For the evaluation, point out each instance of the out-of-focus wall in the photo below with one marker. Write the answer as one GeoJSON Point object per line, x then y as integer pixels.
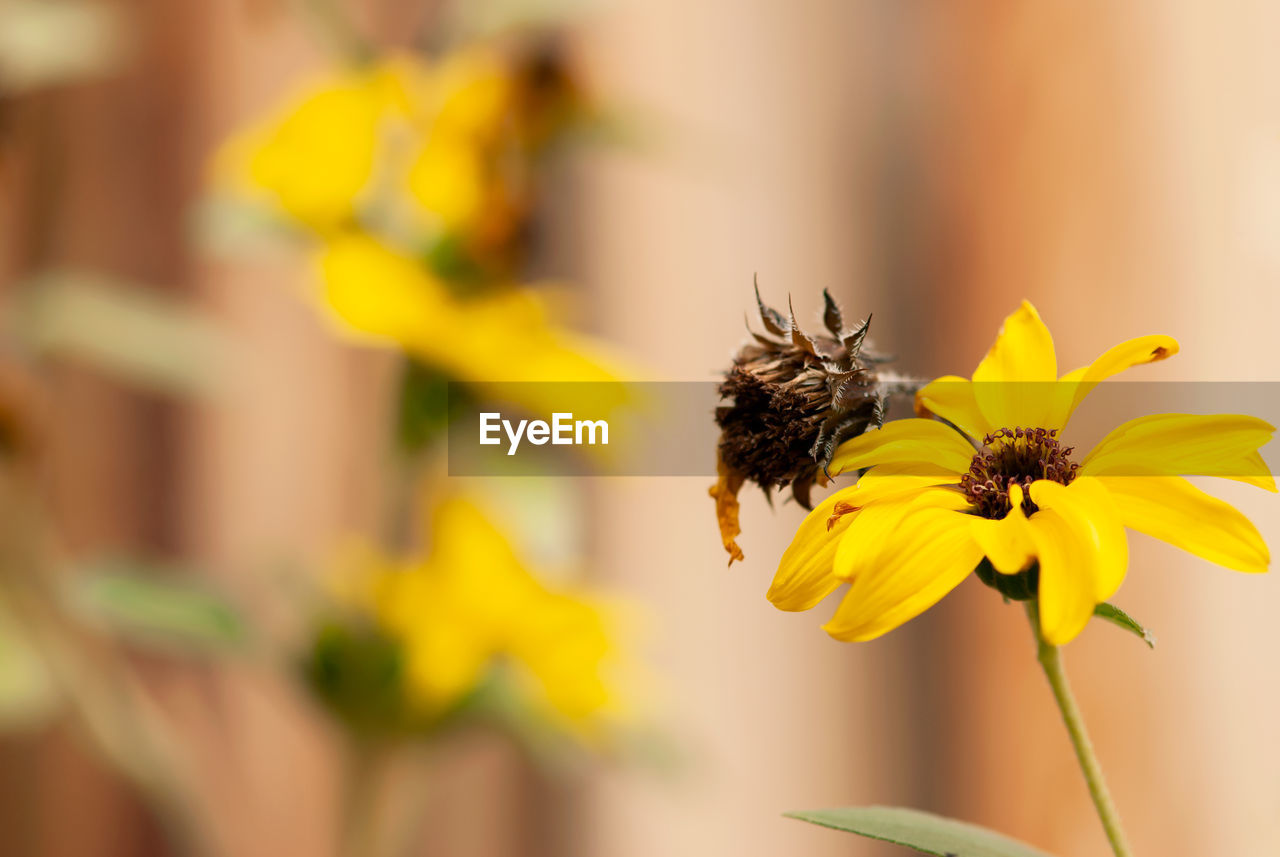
{"type": "Point", "coordinates": [760, 160]}
{"type": "Point", "coordinates": [936, 164]}
{"type": "Point", "coordinates": [930, 163]}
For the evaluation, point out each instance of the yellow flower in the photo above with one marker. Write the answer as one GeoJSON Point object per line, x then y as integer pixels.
{"type": "Point", "coordinates": [503, 338]}
{"type": "Point", "coordinates": [471, 606]}
{"type": "Point", "coordinates": [457, 173]}
{"type": "Point", "coordinates": [317, 158]}
{"type": "Point", "coordinates": [936, 503]}
{"type": "Point", "coordinates": [443, 149]}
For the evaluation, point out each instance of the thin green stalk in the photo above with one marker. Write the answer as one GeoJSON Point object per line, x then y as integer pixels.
{"type": "Point", "coordinates": [364, 785]}
{"type": "Point", "coordinates": [1050, 658]}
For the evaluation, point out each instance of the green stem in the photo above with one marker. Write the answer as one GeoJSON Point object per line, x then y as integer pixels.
{"type": "Point", "coordinates": [1050, 658]}
{"type": "Point", "coordinates": [362, 812]}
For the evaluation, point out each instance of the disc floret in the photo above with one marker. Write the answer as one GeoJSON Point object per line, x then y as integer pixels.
{"type": "Point", "coordinates": [1015, 456]}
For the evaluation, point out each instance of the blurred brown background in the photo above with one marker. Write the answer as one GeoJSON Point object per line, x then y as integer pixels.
{"type": "Point", "coordinates": [1119, 165]}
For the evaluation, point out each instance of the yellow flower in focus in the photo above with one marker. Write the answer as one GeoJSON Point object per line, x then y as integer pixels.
{"type": "Point", "coordinates": [471, 606]}
{"type": "Point", "coordinates": [996, 491]}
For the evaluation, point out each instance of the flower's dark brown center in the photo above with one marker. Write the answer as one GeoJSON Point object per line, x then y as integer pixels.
{"type": "Point", "coordinates": [1015, 455]}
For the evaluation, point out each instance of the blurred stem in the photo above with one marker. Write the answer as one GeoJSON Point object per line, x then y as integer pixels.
{"type": "Point", "coordinates": [362, 818]}
{"type": "Point", "coordinates": [108, 703]}
{"type": "Point", "coordinates": [1050, 658]}
{"type": "Point", "coordinates": [102, 690]}
{"type": "Point", "coordinates": [335, 26]}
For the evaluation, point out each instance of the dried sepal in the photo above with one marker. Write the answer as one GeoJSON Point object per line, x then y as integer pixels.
{"type": "Point", "coordinates": [773, 321]}
{"type": "Point", "coordinates": [800, 339]}
{"type": "Point", "coordinates": [831, 315]}
{"type": "Point", "coordinates": [854, 340]}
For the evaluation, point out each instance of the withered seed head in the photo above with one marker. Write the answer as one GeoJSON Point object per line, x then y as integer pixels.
{"type": "Point", "coordinates": [793, 399]}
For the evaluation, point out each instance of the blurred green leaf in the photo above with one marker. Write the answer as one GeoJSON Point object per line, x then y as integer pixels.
{"type": "Point", "coordinates": [451, 261]}
{"type": "Point", "coordinates": [44, 42]}
{"type": "Point", "coordinates": [921, 831]}
{"type": "Point", "coordinates": [1121, 619]}
{"type": "Point", "coordinates": [129, 331]}
{"type": "Point", "coordinates": [223, 225]}
{"type": "Point", "coordinates": [154, 606]}
{"type": "Point", "coordinates": [357, 672]}
{"type": "Point", "coordinates": [425, 407]}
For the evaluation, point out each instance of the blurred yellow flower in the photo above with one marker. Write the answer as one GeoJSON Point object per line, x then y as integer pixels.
{"type": "Point", "coordinates": [471, 606]}
{"type": "Point", "coordinates": [450, 141]}
{"type": "Point", "coordinates": [504, 337]}
{"type": "Point", "coordinates": [316, 160]}
{"type": "Point", "coordinates": [992, 488]}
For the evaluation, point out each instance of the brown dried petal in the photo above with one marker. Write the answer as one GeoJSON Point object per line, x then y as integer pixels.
{"type": "Point", "coordinates": [725, 492]}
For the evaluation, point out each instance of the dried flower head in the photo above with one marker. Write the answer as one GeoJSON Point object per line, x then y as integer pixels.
{"type": "Point", "coordinates": [793, 398]}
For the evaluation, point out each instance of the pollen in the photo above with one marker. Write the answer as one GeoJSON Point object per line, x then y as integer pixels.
{"type": "Point", "coordinates": [1015, 456]}
{"type": "Point", "coordinates": [839, 511]}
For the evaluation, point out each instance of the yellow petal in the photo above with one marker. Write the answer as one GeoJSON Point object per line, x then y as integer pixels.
{"type": "Point", "coordinates": [1092, 512]}
{"type": "Point", "coordinates": [510, 337]}
{"type": "Point", "coordinates": [952, 398]}
{"type": "Point", "coordinates": [916, 441]}
{"type": "Point", "coordinates": [1260, 474]}
{"type": "Point", "coordinates": [450, 182]}
{"type": "Point", "coordinates": [1171, 509]}
{"type": "Point", "coordinates": [1068, 560]}
{"type": "Point", "coordinates": [474, 558]}
{"type": "Point", "coordinates": [316, 159]}
{"type": "Point", "coordinates": [374, 291]}
{"type": "Point", "coordinates": [1223, 445]}
{"type": "Point", "coordinates": [926, 555]}
{"type": "Point", "coordinates": [805, 574]}
{"type": "Point", "coordinates": [863, 546]}
{"type": "Point", "coordinates": [1078, 383]}
{"type": "Point", "coordinates": [506, 339]}
{"type": "Point", "coordinates": [1006, 542]}
{"type": "Point", "coordinates": [445, 657]}
{"type": "Point", "coordinates": [883, 479]}
{"type": "Point", "coordinates": [1023, 350]}
{"type": "Point", "coordinates": [1013, 385]}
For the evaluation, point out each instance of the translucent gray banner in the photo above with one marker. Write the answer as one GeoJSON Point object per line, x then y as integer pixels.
{"type": "Point", "coordinates": [669, 429]}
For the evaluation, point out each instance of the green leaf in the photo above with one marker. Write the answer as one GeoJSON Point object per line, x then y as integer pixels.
{"type": "Point", "coordinates": [922, 831]}
{"type": "Point", "coordinates": [358, 672]}
{"type": "Point", "coordinates": [155, 607]}
{"type": "Point", "coordinates": [132, 332]}
{"type": "Point", "coordinates": [1121, 619]}
{"type": "Point", "coordinates": [227, 226]}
